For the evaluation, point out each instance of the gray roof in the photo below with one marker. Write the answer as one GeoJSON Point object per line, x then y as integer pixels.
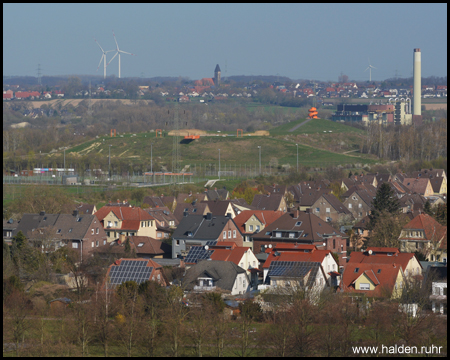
{"type": "Point", "coordinates": [223, 273]}
{"type": "Point", "coordinates": [295, 269]}
{"type": "Point", "coordinates": [267, 202]}
{"type": "Point", "coordinates": [200, 228]}
{"type": "Point", "coordinates": [195, 208]}
{"type": "Point", "coordinates": [71, 228]}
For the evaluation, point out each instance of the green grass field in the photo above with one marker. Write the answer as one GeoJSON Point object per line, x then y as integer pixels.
{"type": "Point", "coordinates": [314, 126]}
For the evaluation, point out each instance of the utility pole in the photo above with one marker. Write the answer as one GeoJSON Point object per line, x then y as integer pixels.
{"type": "Point", "coordinates": [219, 164]}
{"type": "Point", "coordinates": [64, 161]}
{"type": "Point", "coordinates": [297, 157]}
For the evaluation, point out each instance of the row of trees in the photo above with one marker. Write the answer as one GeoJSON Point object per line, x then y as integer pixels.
{"type": "Point", "coordinates": [407, 143]}
{"type": "Point", "coordinates": [148, 320]}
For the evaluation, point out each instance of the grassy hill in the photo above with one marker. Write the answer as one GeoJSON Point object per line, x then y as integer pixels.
{"type": "Point", "coordinates": [234, 151]}
{"type": "Point", "coordinates": [314, 126]}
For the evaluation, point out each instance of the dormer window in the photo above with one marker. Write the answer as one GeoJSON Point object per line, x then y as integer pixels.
{"type": "Point", "coordinates": [356, 270]}
{"type": "Point", "coordinates": [379, 270]}
{"type": "Point", "coordinates": [298, 223]}
{"type": "Point", "coordinates": [58, 231]}
{"type": "Point", "coordinates": [267, 232]}
{"type": "Point", "coordinates": [78, 219]}
{"type": "Point", "coordinates": [291, 235]}
{"type": "Point", "coordinates": [70, 230]}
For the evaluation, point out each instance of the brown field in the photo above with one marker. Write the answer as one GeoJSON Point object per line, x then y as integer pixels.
{"type": "Point", "coordinates": [435, 106]}
{"type": "Point", "coordinates": [75, 102]}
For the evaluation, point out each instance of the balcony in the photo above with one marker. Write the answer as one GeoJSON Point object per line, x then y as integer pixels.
{"type": "Point", "coordinates": [204, 288]}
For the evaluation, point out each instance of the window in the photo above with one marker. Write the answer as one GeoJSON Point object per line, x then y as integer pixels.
{"type": "Point", "coordinates": [58, 231]}
{"type": "Point", "coordinates": [354, 197]}
{"type": "Point", "coordinates": [158, 234]}
{"type": "Point", "coordinates": [92, 244]}
{"type": "Point", "coordinates": [107, 233]}
{"type": "Point", "coordinates": [224, 235]}
{"type": "Point", "coordinates": [291, 235]}
{"type": "Point", "coordinates": [364, 286]}
{"type": "Point", "coordinates": [349, 206]}
{"type": "Point", "coordinates": [70, 230]}
{"type": "Point", "coordinates": [177, 242]}
{"type": "Point", "coordinates": [327, 210]}
{"type": "Point", "coordinates": [162, 223]}
{"type": "Point", "coordinates": [97, 231]}
{"type": "Point", "coordinates": [96, 243]}
{"type": "Point", "coordinates": [360, 214]}
{"type": "Point", "coordinates": [234, 234]}
{"type": "Point", "coordinates": [356, 270]}
{"type": "Point", "coordinates": [257, 228]}
{"type": "Point", "coordinates": [229, 234]}
{"type": "Point", "coordinates": [334, 243]}
{"type": "Point", "coordinates": [104, 242]}
{"type": "Point", "coordinates": [93, 231]}
{"type": "Point", "coordinates": [109, 223]}
{"type": "Point", "coordinates": [317, 209]}
{"type": "Point", "coordinates": [328, 219]}
{"type": "Point", "coordinates": [379, 270]}
{"type": "Point", "coordinates": [250, 227]}
{"type": "Point", "coordinates": [360, 205]}
{"type": "Point", "coordinates": [298, 223]}
{"type": "Point", "coordinates": [79, 219]}
{"type": "Point", "coordinates": [254, 263]}
{"type": "Point", "coordinates": [278, 234]}
{"type": "Point", "coordinates": [75, 245]}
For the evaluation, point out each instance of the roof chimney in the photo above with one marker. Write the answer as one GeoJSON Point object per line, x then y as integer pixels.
{"type": "Point", "coordinates": [229, 215]}
{"type": "Point", "coordinates": [209, 216]}
{"type": "Point", "coordinates": [42, 213]}
{"type": "Point", "coordinates": [75, 213]}
{"type": "Point", "coordinates": [185, 213]}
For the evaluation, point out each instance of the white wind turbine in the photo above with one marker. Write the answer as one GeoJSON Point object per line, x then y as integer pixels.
{"type": "Point", "coordinates": [118, 52]}
{"type": "Point", "coordinates": [102, 58]}
{"type": "Point", "coordinates": [370, 67]}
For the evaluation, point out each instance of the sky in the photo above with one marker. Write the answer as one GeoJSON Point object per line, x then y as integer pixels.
{"type": "Point", "coordinates": [300, 41]}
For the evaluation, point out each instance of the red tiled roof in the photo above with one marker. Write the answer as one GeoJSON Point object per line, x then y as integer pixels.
{"type": "Point", "coordinates": [384, 280]}
{"type": "Point", "coordinates": [130, 216]}
{"type": "Point", "coordinates": [433, 230]}
{"type": "Point", "coordinates": [265, 216]}
{"type": "Point", "coordinates": [401, 259]}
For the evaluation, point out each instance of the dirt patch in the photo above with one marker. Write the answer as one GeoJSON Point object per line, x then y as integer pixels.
{"type": "Point", "coordinates": [20, 125]}
{"type": "Point", "coordinates": [260, 133]}
{"type": "Point", "coordinates": [185, 132]}
{"type": "Point", "coordinates": [435, 106]}
{"type": "Point", "coordinates": [90, 148]}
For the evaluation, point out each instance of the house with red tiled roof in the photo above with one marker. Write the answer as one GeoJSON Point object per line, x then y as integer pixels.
{"type": "Point", "coordinates": [251, 222]}
{"type": "Point", "coordinates": [373, 280]}
{"type": "Point", "coordinates": [389, 256]}
{"type": "Point", "coordinates": [125, 220]}
{"type": "Point", "coordinates": [426, 235]}
{"type": "Point", "coordinates": [138, 270]}
{"type": "Point", "coordinates": [420, 186]}
{"type": "Point", "coordinates": [295, 252]}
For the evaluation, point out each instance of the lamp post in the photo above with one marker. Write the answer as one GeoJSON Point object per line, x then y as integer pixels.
{"type": "Point", "coordinates": [109, 162]}
{"type": "Point", "coordinates": [219, 164]}
{"type": "Point", "coordinates": [297, 157]}
{"type": "Point", "coordinates": [259, 147]}
{"type": "Point", "coordinates": [64, 161]}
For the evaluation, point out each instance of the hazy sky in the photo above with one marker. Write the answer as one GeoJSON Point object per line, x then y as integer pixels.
{"type": "Point", "coordinates": [301, 41]}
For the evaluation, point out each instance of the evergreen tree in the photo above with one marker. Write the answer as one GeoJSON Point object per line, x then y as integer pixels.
{"type": "Point", "coordinates": [427, 208]}
{"type": "Point", "coordinates": [350, 174]}
{"type": "Point", "coordinates": [385, 201]}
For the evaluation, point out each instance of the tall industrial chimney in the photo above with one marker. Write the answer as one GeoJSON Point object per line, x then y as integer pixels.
{"type": "Point", "coordinates": [417, 101]}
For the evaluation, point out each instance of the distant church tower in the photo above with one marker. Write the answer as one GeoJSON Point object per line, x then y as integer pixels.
{"type": "Point", "coordinates": [217, 76]}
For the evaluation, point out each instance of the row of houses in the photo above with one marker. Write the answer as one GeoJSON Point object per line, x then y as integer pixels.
{"type": "Point", "coordinates": [31, 95]}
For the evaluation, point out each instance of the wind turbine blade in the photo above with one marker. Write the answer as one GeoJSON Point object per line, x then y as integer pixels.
{"type": "Point", "coordinates": [115, 40]}
{"type": "Point", "coordinates": [126, 52]}
{"type": "Point", "coordinates": [112, 58]}
{"type": "Point", "coordinates": [367, 68]}
{"type": "Point", "coordinates": [100, 61]}
{"type": "Point", "coordinates": [99, 45]}
{"type": "Point", "coordinates": [373, 67]}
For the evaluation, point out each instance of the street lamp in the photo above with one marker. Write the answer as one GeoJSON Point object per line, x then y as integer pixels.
{"type": "Point", "coordinates": [109, 162]}
{"type": "Point", "coordinates": [297, 157]}
{"type": "Point", "coordinates": [151, 157]}
{"type": "Point", "coordinates": [64, 161]}
{"type": "Point", "coordinates": [259, 147]}
{"type": "Point", "coordinates": [219, 164]}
